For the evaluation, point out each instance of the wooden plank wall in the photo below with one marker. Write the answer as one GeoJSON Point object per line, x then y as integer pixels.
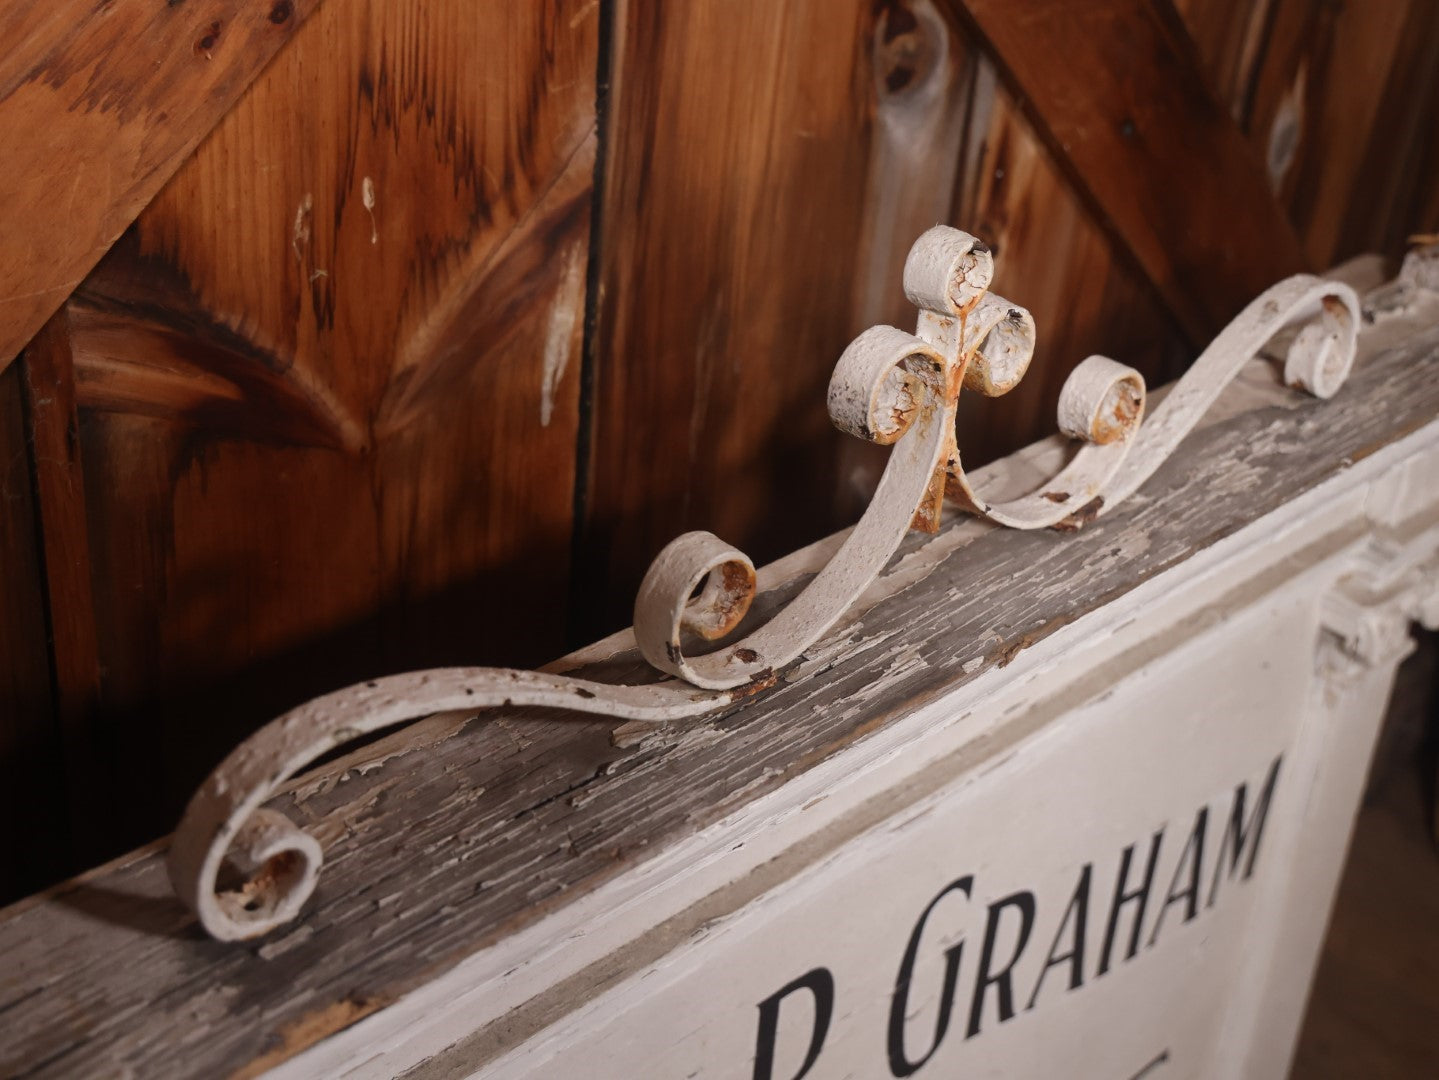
{"type": "Point", "coordinates": [328, 387]}
{"type": "Point", "coordinates": [100, 104]}
{"type": "Point", "coordinates": [36, 847]}
{"type": "Point", "coordinates": [466, 308]}
{"type": "Point", "coordinates": [1341, 103]}
{"type": "Point", "coordinates": [1112, 87]}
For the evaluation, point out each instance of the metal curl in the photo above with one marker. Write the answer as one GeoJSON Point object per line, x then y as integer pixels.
{"type": "Point", "coordinates": [1102, 403]}
{"type": "Point", "coordinates": [1325, 315]}
{"type": "Point", "coordinates": [246, 869]}
{"type": "Point", "coordinates": [888, 387]}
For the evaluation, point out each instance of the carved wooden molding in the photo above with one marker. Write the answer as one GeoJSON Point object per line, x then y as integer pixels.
{"type": "Point", "coordinates": [245, 869]}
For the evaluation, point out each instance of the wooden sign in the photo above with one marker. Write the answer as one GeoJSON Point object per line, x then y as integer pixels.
{"type": "Point", "coordinates": [1112, 858]}
{"type": "Point", "coordinates": [1111, 874]}
{"type": "Point", "coordinates": [1041, 803]}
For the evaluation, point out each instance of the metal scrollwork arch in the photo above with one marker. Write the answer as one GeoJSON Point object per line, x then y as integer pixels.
{"type": "Point", "coordinates": [246, 869]}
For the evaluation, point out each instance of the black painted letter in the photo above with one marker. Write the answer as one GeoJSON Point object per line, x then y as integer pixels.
{"type": "Point", "coordinates": [1124, 896]}
{"type": "Point", "coordinates": [1193, 857]}
{"type": "Point", "coordinates": [899, 1064]}
{"type": "Point", "coordinates": [818, 982]}
{"type": "Point", "coordinates": [1238, 833]}
{"type": "Point", "coordinates": [1001, 980]}
{"type": "Point", "coordinates": [1078, 909]}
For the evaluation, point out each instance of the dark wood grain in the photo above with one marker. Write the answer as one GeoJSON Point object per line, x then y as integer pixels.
{"type": "Point", "coordinates": [327, 385]}
{"type": "Point", "coordinates": [1344, 107]}
{"type": "Point", "coordinates": [47, 371]}
{"type": "Point", "coordinates": [925, 75]}
{"type": "Point", "coordinates": [36, 849]}
{"type": "Point", "coordinates": [1055, 259]}
{"type": "Point", "coordinates": [316, 440]}
{"type": "Point", "coordinates": [950, 143]}
{"type": "Point", "coordinates": [459, 833]}
{"type": "Point", "coordinates": [1117, 91]}
{"type": "Point", "coordinates": [1395, 194]}
{"type": "Point", "coordinates": [1341, 102]}
{"type": "Point", "coordinates": [732, 212]}
{"type": "Point", "coordinates": [99, 105]}
{"type": "Point", "coordinates": [1321, 82]}
{"type": "Point", "coordinates": [1231, 37]}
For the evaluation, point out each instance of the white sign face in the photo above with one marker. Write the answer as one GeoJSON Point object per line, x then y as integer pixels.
{"type": "Point", "coordinates": [1082, 907]}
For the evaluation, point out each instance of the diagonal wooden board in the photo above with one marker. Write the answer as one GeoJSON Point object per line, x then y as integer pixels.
{"type": "Point", "coordinates": [1115, 87]}
{"type": "Point", "coordinates": [99, 105]}
{"type": "Point", "coordinates": [445, 837]}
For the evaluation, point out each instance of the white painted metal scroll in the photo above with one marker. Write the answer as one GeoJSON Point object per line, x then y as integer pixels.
{"type": "Point", "coordinates": [889, 387]}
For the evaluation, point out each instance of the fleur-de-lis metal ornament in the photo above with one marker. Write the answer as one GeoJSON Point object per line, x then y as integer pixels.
{"type": "Point", "coordinates": [889, 387]}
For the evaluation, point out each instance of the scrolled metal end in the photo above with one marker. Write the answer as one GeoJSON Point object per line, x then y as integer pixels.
{"type": "Point", "coordinates": [947, 270]}
{"type": "Point", "coordinates": [1102, 401]}
{"type": "Point", "coordinates": [245, 884]}
{"type": "Point", "coordinates": [878, 387]}
{"type": "Point", "coordinates": [1322, 353]}
{"type": "Point", "coordinates": [723, 600]}
{"type": "Point", "coordinates": [697, 584]}
{"type": "Point", "coordinates": [278, 865]}
{"type": "Point", "coordinates": [1005, 348]}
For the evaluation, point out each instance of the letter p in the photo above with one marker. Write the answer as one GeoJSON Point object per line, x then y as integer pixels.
{"type": "Point", "coordinates": [818, 982]}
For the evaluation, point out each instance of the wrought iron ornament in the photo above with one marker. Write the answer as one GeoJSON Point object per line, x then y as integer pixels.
{"type": "Point", "coordinates": [889, 387]}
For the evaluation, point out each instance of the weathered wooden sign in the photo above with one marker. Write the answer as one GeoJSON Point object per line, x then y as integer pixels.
{"type": "Point", "coordinates": [1039, 804]}
{"type": "Point", "coordinates": [1081, 904]}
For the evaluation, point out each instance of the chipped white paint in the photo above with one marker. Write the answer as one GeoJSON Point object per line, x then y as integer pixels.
{"type": "Point", "coordinates": [1318, 359]}
{"type": "Point", "coordinates": [889, 387]}
{"type": "Point", "coordinates": [1418, 279]}
{"type": "Point", "coordinates": [1102, 402]}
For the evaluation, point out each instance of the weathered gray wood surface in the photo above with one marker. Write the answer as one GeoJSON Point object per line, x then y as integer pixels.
{"type": "Point", "coordinates": [443, 838]}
